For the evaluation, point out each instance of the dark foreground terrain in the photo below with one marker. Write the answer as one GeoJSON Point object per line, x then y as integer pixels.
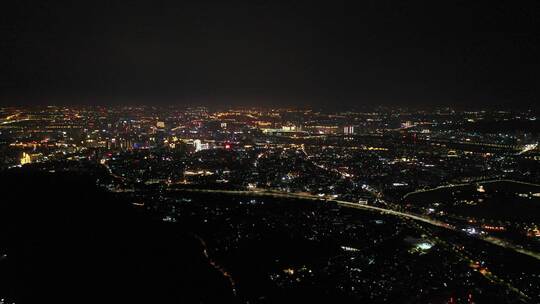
{"type": "Point", "coordinates": [65, 240]}
{"type": "Point", "coordinates": [62, 240]}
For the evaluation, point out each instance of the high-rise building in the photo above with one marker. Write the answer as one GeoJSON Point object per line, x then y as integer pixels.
{"type": "Point", "coordinates": [348, 130]}
{"type": "Point", "coordinates": [197, 144]}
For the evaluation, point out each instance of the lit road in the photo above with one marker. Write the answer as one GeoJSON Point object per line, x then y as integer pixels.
{"type": "Point", "coordinates": [528, 148]}
{"type": "Point", "coordinates": [469, 184]}
{"type": "Point", "coordinates": [406, 215]}
{"type": "Point", "coordinates": [108, 168]}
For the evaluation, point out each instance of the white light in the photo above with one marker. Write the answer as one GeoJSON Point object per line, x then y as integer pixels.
{"type": "Point", "coordinates": [424, 246]}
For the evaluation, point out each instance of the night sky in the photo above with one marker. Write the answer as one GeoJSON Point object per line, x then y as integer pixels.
{"type": "Point", "coordinates": [270, 53]}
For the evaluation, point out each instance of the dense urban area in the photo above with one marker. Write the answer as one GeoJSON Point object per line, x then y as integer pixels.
{"type": "Point", "coordinates": [373, 205]}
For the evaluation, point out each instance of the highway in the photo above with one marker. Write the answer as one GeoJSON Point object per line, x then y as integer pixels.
{"type": "Point", "coordinates": [405, 215]}
{"type": "Point", "coordinates": [469, 184]}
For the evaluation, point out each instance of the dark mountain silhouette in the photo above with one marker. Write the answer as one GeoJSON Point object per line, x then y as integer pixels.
{"type": "Point", "coordinates": [64, 240]}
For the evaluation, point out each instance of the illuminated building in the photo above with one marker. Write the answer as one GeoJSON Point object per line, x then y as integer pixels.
{"type": "Point", "coordinates": [348, 130]}
{"type": "Point", "coordinates": [199, 146]}
{"type": "Point", "coordinates": [407, 124]}
{"type": "Point", "coordinates": [288, 128]}
{"type": "Point", "coordinates": [26, 159]}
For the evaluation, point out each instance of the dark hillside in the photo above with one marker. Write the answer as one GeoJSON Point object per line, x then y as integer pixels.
{"type": "Point", "coordinates": [64, 240]}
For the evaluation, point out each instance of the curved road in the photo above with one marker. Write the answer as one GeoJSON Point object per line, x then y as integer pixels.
{"type": "Point", "coordinates": [412, 216]}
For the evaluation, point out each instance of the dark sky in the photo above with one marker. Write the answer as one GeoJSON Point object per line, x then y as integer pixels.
{"type": "Point", "coordinates": [266, 52]}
